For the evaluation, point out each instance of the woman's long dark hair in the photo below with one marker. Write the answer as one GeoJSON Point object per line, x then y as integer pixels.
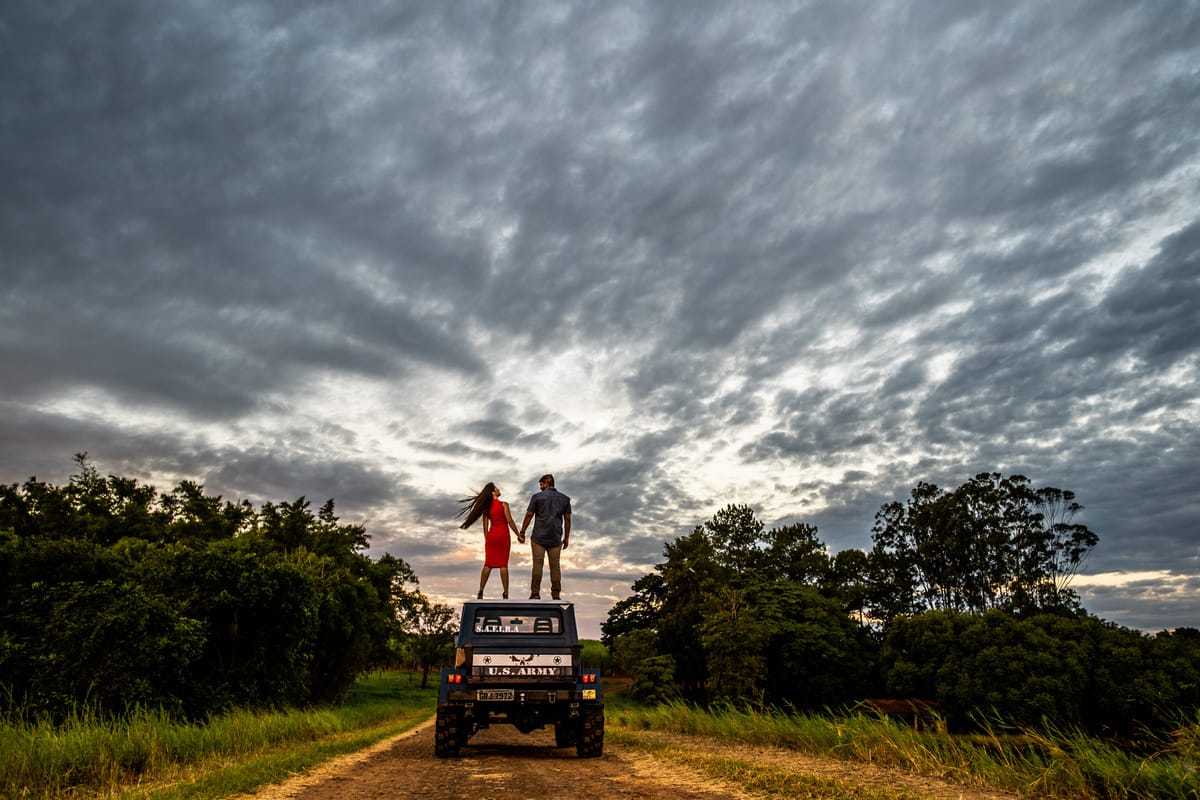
{"type": "Point", "coordinates": [475, 507]}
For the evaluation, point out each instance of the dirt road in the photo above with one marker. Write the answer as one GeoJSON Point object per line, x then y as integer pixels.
{"type": "Point", "coordinates": [501, 762]}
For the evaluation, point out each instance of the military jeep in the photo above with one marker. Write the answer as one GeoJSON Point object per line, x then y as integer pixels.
{"type": "Point", "coordinates": [519, 663]}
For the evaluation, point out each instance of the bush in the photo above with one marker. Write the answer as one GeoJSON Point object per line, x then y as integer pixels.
{"type": "Point", "coordinates": [654, 681]}
{"type": "Point", "coordinates": [112, 598]}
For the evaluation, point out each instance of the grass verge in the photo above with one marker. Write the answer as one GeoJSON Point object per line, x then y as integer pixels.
{"type": "Point", "coordinates": [1054, 765]}
{"type": "Point", "coordinates": [762, 781]}
{"type": "Point", "coordinates": [145, 755]}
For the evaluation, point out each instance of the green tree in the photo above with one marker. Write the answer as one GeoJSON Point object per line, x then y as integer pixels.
{"type": "Point", "coordinates": [191, 517]}
{"type": "Point", "coordinates": [993, 543]}
{"type": "Point", "coordinates": [738, 609]}
{"type": "Point", "coordinates": [125, 647]}
{"type": "Point", "coordinates": [396, 587]}
{"type": "Point", "coordinates": [849, 580]}
{"type": "Point", "coordinates": [669, 604]}
{"type": "Point", "coordinates": [630, 649]}
{"type": "Point", "coordinates": [638, 613]}
{"type": "Point", "coordinates": [814, 654]}
{"type": "Point", "coordinates": [1064, 670]}
{"type": "Point", "coordinates": [654, 682]}
{"type": "Point", "coordinates": [111, 594]}
{"type": "Point", "coordinates": [78, 626]}
{"type": "Point", "coordinates": [1177, 654]}
{"type": "Point", "coordinates": [595, 654]}
{"type": "Point", "coordinates": [734, 636]}
{"type": "Point", "coordinates": [430, 628]}
{"type": "Point", "coordinates": [736, 539]}
{"type": "Point", "coordinates": [795, 553]}
{"type": "Point", "coordinates": [688, 575]}
{"type": "Point", "coordinates": [261, 615]}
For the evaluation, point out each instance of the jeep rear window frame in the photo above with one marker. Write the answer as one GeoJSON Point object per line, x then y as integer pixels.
{"type": "Point", "coordinates": [500, 622]}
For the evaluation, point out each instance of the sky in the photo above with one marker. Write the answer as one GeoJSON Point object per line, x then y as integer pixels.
{"type": "Point", "coordinates": [797, 256]}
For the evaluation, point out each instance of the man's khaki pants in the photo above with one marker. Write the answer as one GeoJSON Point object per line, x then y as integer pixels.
{"type": "Point", "coordinates": [545, 553]}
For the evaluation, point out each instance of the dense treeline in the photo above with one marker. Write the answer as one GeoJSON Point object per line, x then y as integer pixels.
{"type": "Point", "coordinates": [963, 599]}
{"type": "Point", "coordinates": [113, 595]}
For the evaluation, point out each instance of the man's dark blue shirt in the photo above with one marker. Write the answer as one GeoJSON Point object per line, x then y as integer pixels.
{"type": "Point", "coordinates": [548, 507]}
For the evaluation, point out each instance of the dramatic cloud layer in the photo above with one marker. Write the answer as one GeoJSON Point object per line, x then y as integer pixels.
{"type": "Point", "coordinates": [798, 256]}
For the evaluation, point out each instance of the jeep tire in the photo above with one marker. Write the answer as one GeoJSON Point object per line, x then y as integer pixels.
{"type": "Point", "coordinates": [591, 733]}
{"type": "Point", "coordinates": [566, 733]}
{"type": "Point", "coordinates": [447, 733]}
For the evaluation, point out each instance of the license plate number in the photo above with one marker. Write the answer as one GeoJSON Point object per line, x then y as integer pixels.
{"type": "Point", "coordinates": [494, 694]}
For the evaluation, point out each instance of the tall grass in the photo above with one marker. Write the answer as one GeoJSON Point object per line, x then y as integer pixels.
{"type": "Point", "coordinates": [1057, 765]}
{"type": "Point", "coordinates": [91, 755]}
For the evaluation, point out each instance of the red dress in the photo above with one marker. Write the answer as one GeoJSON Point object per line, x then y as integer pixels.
{"type": "Point", "coordinates": [496, 541]}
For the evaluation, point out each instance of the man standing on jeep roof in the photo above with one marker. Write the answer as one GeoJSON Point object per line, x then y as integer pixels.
{"type": "Point", "coordinates": [550, 511]}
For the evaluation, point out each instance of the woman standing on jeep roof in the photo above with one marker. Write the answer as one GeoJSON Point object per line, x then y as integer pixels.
{"type": "Point", "coordinates": [497, 520]}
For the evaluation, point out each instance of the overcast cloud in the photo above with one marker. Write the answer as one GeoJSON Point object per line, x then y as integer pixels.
{"type": "Point", "coordinates": [800, 256]}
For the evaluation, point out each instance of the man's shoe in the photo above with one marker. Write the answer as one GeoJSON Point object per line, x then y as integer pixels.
{"type": "Point", "coordinates": [535, 597]}
{"type": "Point", "coordinates": [504, 596]}
{"type": "Point", "coordinates": [555, 597]}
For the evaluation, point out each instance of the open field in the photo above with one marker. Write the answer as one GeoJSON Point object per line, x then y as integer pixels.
{"type": "Point", "coordinates": [145, 756]}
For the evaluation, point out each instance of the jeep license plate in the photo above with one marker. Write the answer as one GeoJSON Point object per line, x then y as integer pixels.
{"type": "Point", "coordinates": [494, 694]}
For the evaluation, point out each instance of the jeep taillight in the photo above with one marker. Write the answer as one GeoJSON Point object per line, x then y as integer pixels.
{"type": "Point", "coordinates": [588, 677]}
{"type": "Point", "coordinates": [454, 677]}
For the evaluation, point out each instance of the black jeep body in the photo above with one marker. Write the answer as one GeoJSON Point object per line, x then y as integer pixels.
{"type": "Point", "coordinates": [518, 662]}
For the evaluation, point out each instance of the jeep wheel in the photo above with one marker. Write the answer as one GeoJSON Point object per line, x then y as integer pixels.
{"type": "Point", "coordinates": [566, 733]}
{"type": "Point", "coordinates": [591, 733]}
{"type": "Point", "coordinates": [447, 736]}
